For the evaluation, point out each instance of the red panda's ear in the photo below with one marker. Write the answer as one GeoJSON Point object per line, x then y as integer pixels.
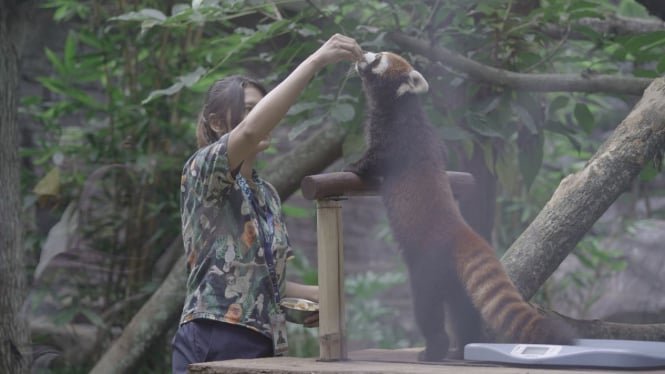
{"type": "Point", "coordinates": [415, 83]}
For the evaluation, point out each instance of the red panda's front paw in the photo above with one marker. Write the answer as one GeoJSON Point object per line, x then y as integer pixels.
{"type": "Point", "coordinates": [351, 168]}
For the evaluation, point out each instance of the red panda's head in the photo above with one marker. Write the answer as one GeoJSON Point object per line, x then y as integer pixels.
{"type": "Point", "coordinates": [386, 72]}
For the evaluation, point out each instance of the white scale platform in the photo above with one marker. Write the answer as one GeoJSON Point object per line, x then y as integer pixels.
{"type": "Point", "coordinates": [600, 353]}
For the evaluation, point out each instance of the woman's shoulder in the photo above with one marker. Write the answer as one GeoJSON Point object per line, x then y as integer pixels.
{"type": "Point", "coordinates": [209, 153]}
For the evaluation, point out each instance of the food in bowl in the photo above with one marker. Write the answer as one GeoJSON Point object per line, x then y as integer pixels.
{"type": "Point", "coordinates": [298, 310]}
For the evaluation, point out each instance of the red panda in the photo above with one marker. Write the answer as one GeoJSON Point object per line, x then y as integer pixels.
{"type": "Point", "coordinates": [449, 264]}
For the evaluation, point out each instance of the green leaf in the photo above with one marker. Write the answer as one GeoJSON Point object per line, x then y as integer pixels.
{"type": "Point", "coordinates": [525, 118]}
{"type": "Point", "coordinates": [180, 8]}
{"type": "Point", "coordinates": [93, 317]}
{"type": "Point", "coordinates": [504, 167]}
{"type": "Point", "coordinates": [304, 125]}
{"type": "Point", "coordinates": [581, 4]}
{"type": "Point", "coordinates": [189, 79]}
{"type": "Point", "coordinates": [91, 39]}
{"type": "Point", "coordinates": [478, 123]}
{"type": "Point", "coordinates": [453, 132]}
{"type": "Point", "coordinates": [55, 61]}
{"type": "Point", "coordinates": [661, 66]}
{"type": "Point", "coordinates": [586, 13]}
{"type": "Point", "coordinates": [65, 315]}
{"type": "Point", "coordinates": [644, 73]}
{"type": "Point", "coordinates": [588, 33]}
{"type": "Point", "coordinates": [530, 155]}
{"type": "Point", "coordinates": [640, 43]}
{"type": "Point", "coordinates": [177, 86]}
{"type": "Point", "coordinates": [69, 58]}
{"type": "Point", "coordinates": [343, 112]}
{"type": "Point", "coordinates": [559, 102]}
{"type": "Point", "coordinates": [584, 260]}
{"type": "Point", "coordinates": [649, 173]}
{"type": "Point", "coordinates": [298, 108]}
{"type": "Point", "coordinates": [295, 211]}
{"type": "Point", "coordinates": [584, 117]}
{"type": "Point", "coordinates": [147, 14]}
{"type": "Point", "coordinates": [186, 80]}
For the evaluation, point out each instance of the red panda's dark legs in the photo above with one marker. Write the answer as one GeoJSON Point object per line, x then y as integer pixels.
{"type": "Point", "coordinates": [465, 320]}
{"type": "Point", "coordinates": [427, 292]}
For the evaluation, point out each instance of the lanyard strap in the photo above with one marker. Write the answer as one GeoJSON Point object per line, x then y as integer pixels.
{"type": "Point", "coordinates": [266, 237]}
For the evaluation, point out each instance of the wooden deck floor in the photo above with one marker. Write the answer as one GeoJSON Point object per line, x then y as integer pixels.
{"type": "Point", "coordinates": [371, 361]}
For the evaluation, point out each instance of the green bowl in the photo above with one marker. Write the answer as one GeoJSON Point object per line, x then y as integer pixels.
{"type": "Point", "coordinates": [298, 310]}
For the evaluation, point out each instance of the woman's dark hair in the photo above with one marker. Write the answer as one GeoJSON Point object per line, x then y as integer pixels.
{"type": "Point", "coordinates": [226, 99]}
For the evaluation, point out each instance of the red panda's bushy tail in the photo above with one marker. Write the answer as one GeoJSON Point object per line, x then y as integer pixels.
{"type": "Point", "coordinates": [500, 304]}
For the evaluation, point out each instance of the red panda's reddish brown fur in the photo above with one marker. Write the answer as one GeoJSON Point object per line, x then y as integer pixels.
{"type": "Point", "coordinates": [448, 262]}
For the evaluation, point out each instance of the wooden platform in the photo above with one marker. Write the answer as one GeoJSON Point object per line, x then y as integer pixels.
{"type": "Point", "coordinates": [381, 361]}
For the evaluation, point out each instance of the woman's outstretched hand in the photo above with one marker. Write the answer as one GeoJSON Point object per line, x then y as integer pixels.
{"type": "Point", "coordinates": [338, 48]}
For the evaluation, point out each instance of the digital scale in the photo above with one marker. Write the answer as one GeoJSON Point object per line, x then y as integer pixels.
{"type": "Point", "coordinates": [625, 354]}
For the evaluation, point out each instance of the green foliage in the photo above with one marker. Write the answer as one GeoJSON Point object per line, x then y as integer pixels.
{"type": "Point", "coordinates": [584, 287]}
{"type": "Point", "coordinates": [126, 92]}
{"type": "Point", "coordinates": [367, 316]}
{"type": "Point", "coordinates": [126, 89]}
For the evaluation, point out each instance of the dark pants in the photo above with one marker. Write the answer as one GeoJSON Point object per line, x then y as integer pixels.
{"type": "Point", "coordinates": [203, 340]}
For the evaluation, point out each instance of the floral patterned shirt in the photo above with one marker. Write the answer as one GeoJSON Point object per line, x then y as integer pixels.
{"type": "Point", "coordinates": [228, 278]}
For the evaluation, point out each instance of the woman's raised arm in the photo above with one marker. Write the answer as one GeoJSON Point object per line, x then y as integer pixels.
{"type": "Point", "coordinates": [250, 136]}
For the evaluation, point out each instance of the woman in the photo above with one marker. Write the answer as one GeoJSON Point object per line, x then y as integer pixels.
{"type": "Point", "coordinates": [235, 238]}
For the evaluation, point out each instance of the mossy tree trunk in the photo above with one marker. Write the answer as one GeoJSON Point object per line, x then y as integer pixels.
{"type": "Point", "coordinates": [14, 336]}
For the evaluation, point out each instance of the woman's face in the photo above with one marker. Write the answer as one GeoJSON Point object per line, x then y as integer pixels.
{"type": "Point", "coordinates": [252, 96]}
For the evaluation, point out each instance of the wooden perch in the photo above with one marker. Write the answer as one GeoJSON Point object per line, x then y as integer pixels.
{"type": "Point", "coordinates": [339, 184]}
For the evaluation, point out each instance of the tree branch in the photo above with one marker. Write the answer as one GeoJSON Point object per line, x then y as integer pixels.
{"type": "Point", "coordinates": [583, 197]}
{"type": "Point", "coordinates": [597, 329]}
{"type": "Point", "coordinates": [612, 24]}
{"type": "Point", "coordinates": [600, 83]}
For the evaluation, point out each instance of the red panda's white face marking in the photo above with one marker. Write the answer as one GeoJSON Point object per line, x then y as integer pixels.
{"type": "Point", "coordinates": [389, 66]}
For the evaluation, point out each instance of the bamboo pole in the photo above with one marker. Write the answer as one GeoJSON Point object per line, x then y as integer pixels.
{"type": "Point", "coordinates": [332, 336]}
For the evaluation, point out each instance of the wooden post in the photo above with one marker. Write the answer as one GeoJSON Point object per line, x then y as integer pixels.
{"type": "Point", "coordinates": [330, 243]}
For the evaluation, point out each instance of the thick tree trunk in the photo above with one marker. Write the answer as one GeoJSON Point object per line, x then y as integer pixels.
{"type": "Point", "coordinates": [14, 337]}
{"type": "Point", "coordinates": [583, 197]}
{"type": "Point", "coordinates": [154, 318]}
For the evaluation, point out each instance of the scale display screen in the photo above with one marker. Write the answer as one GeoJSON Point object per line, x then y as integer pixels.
{"type": "Point", "coordinates": [533, 350]}
{"type": "Point", "coordinates": [600, 353]}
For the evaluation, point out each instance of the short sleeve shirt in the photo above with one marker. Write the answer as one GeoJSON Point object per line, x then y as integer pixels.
{"type": "Point", "coordinates": [228, 277]}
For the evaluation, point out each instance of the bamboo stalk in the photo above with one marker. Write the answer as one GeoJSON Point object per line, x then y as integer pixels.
{"type": "Point", "coordinates": [332, 337]}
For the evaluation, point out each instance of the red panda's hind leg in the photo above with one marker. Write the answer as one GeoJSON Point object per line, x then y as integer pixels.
{"type": "Point", "coordinates": [428, 304]}
{"type": "Point", "coordinates": [464, 321]}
